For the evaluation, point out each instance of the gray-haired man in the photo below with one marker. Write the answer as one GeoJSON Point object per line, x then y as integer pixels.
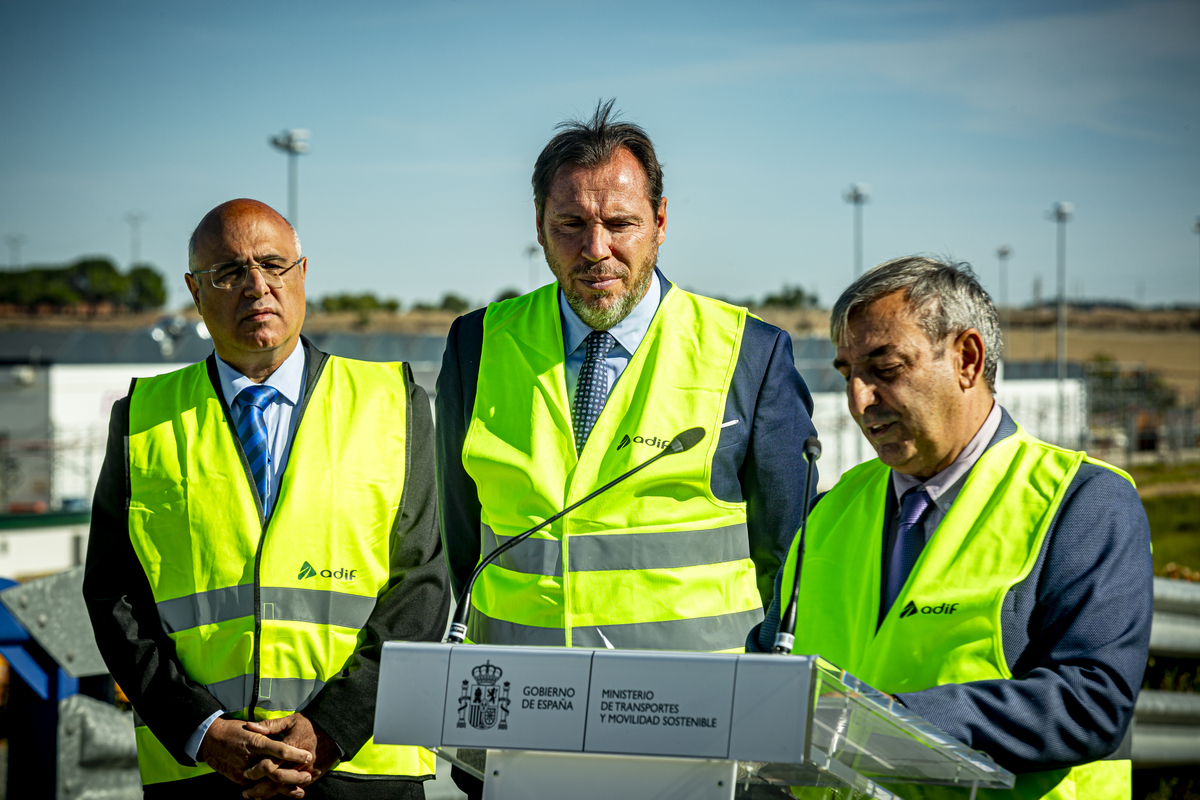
{"type": "Point", "coordinates": [997, 585]}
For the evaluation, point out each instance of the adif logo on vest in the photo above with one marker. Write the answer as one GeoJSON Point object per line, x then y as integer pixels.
{"type": "Point", "coordinates": [309, 571]}
{"type": "Point", "coordinates": [652, 441]}
{"type": "Point", "coordinates": [911, 609]}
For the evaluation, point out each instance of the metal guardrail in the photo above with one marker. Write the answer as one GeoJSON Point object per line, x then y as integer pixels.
{"type": "Point", "coordinates": [1176, 627]}
{"type": "Point", "coordinates": [1166, 725]}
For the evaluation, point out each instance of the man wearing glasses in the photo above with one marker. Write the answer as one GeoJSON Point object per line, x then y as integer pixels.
{"type": "Point", "coordinates": [264, 520]}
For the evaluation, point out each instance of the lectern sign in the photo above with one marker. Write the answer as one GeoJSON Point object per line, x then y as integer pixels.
{"type": "Point", "coordinates": [516, 698]}
{"type": "Point", "coordinates": [671, 704]}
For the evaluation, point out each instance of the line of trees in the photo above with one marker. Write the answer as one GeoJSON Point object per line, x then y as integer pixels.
{"type": "Point", "coordinates": [91, 283]}
{"type": "Point", "coordinates": [787, 297]}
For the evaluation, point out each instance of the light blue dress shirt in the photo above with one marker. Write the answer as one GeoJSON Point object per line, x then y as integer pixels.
{"type": "Point", "coordinates": [629, 333]}
{"type": "Point", "coordinates": [280, 418]}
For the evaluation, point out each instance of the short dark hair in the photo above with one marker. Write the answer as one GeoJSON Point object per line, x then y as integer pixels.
{"type": "Point", "coordinates": [943, 295]}
{"type": "Point", "coordinates": [592, 143]}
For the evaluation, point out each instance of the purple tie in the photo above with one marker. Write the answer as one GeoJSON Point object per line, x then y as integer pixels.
{"type": "Point", "coordinates": [910, 540]}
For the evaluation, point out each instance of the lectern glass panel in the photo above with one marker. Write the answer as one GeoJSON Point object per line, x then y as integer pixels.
{"type": "Point", "coordinates": [878, 737]}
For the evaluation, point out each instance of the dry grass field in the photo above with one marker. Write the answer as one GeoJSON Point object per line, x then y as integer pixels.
{"type": "Point", "coordinates": [1175, 355]}
{"type": "Point", "coordinates": [1167, 342]}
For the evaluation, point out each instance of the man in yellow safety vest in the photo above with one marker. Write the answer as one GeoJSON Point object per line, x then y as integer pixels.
{"type": "Point", "coordinates": [264, 521]}
{"type": "Point", "coordinates": [997, 585]}
{"type": "Point", "coordinates": [546, 397]}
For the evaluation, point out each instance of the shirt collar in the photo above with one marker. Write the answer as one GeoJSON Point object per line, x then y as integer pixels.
{"type": "Point", "coordinates": [943, 487]}
{"type": "Point", "coordinates": [629, 332]}
{"type": "Point", "coordinates": [288, 379]}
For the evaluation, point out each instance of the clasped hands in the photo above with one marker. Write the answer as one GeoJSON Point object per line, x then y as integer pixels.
{"type": "Point", "coordinates": [249, 754]}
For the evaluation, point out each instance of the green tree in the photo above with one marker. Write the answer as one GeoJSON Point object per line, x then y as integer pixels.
{"type": "Point", "coordinates": [147, 290]}
{"type": "Point", "coordinates": [361, 303]}
{"type": "Point", "coordinates": [97, 281]}
{"type": "Point", "coordinates": [791, 297]}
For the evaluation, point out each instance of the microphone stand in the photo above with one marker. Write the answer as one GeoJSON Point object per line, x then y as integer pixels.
{"type": "Point", "coordinates": [785, 637]}
{"type": "Point", "coordinates": [458, 629]}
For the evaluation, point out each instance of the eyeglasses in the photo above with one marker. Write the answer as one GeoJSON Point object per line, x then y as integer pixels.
{"type": "Point", "coordinates": [234, 276]}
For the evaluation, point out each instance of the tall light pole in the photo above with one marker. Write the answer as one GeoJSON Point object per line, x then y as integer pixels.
{"type": "Point", "coordinates": [135, 220]}
{"type": "Point", "coordinates": [1002, 253]}
{"type": "Point", "coordinates": [14, 241]}
{"type": "Point", "coordinates": [1196, 228]}
{"type": "Point", "coordinates": [531, 252]}
{"type": "Point", "coordinates": [857, 194]}
{"type": "Point", "coordinates": [1061, 214]}
{"type": "Point", "coordinates": [294, 142]}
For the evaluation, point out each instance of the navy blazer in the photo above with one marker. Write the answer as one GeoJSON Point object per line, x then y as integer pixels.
{"type": "Point", "coordinates": [761, 463]}
{"type": "Point", "coordinates": [1076, 632]}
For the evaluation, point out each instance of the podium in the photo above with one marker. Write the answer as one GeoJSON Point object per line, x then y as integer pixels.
{"type": "Point", "coordinates": [640, 723]}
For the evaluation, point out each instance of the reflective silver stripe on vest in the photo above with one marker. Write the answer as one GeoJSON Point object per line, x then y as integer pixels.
{"type": "Point", "coordinates": [722, 632]}
{"type": "Point", "coordinates": [287, 694]}
{"type": "Point", "coordinates": [623, 551]}
{"type": "Point", "coordinates": [316, 606]}
{"type": "Point", "coordinates": [533, 556]}
{"type": "Point", "coordinates": [274, 694]}
{"type": "Point", "coordinates": [207, 608]}
{"type": "Point", "coordinates": [297, 605]}
{"type": "Point", "coordinates": [233, 694]}
{"type": "Point", "coordinates": [483, 629]}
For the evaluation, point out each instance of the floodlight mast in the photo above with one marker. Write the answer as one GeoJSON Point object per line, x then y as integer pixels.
{"type": "Point", "coordinates": [294, 142]}
{"type": "Point", "coordinates": [135, 220]}
{"type": "Point", "coordinates": [1196, 229]}
{"type": "Point", "coordinates": [1003, 252]}
{"type": "Point", "coordinates": [14, 242]}
{"type": "Point", "coordinates": [858, 194]}
{"type": "Point", "coordinates": [1062, 214]}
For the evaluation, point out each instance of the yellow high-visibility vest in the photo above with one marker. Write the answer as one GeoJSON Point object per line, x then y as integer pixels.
{"type": "Point", "coordinates": [262, 615]}
{"type": "Point", "coordinates": [658, 561]}
{"type": "Point", "coordinates": [944, 626]}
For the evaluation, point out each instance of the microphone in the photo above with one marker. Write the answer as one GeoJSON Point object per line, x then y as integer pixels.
{"type": "Point", "coordinates": [458, 629]}
{"type": "Point", "coordinates": [785, 638]}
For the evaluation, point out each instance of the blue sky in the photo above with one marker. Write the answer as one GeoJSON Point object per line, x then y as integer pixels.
{"type": "Point", "coordinates": [967, 120]}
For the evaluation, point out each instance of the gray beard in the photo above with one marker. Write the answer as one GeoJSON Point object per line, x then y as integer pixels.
{"type": "Point", "coordinates": [602, 319]}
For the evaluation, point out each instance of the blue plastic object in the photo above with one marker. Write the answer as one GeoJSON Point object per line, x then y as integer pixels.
{"type": "Point", "coordinates": [27, 669]}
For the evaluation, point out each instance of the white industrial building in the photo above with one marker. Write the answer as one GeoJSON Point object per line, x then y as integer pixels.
{"type": "Point", "coordinates": [57, 389]}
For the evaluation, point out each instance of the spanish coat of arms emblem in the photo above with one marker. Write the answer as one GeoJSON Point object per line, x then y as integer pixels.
{"type": "Point", "coordinates": [482, 703]}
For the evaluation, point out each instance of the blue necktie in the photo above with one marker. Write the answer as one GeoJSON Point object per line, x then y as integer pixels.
{"type": "Point", "coordinates": [592, 390]}
{"type": "Point", "coordinates": [252, 430]}
{"type": "Point", "coordinates": [910, 540]}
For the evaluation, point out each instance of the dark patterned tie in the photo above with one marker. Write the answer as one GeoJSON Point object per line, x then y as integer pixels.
{"type": "Point", "coordinates": [592, 390]}
{"type": "Point", "coordinates": [252, 430]}
{"type": "Point", "coordinates": [910, 540]}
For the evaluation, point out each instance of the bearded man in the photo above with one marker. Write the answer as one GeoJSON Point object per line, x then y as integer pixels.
{"type": "Point", "coordinates": [546, 397]}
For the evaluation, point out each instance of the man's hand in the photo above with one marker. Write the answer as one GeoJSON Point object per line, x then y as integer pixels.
{"type": "Point", "coordinates": [231, 747]}
{"type": "Point", "coordinates": [273, 777]}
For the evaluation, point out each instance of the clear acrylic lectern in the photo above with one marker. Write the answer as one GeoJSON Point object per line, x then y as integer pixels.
{"type": "Point", "coordinates": [638, 723]}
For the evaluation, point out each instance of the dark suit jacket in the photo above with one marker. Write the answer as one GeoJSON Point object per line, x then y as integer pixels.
{"type": "Point", "coordinates": [761, 463]}
{"type": "Point", "coordinates": [141, 656]}
{"type": "Point", "coordinates": [1076, 633]}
